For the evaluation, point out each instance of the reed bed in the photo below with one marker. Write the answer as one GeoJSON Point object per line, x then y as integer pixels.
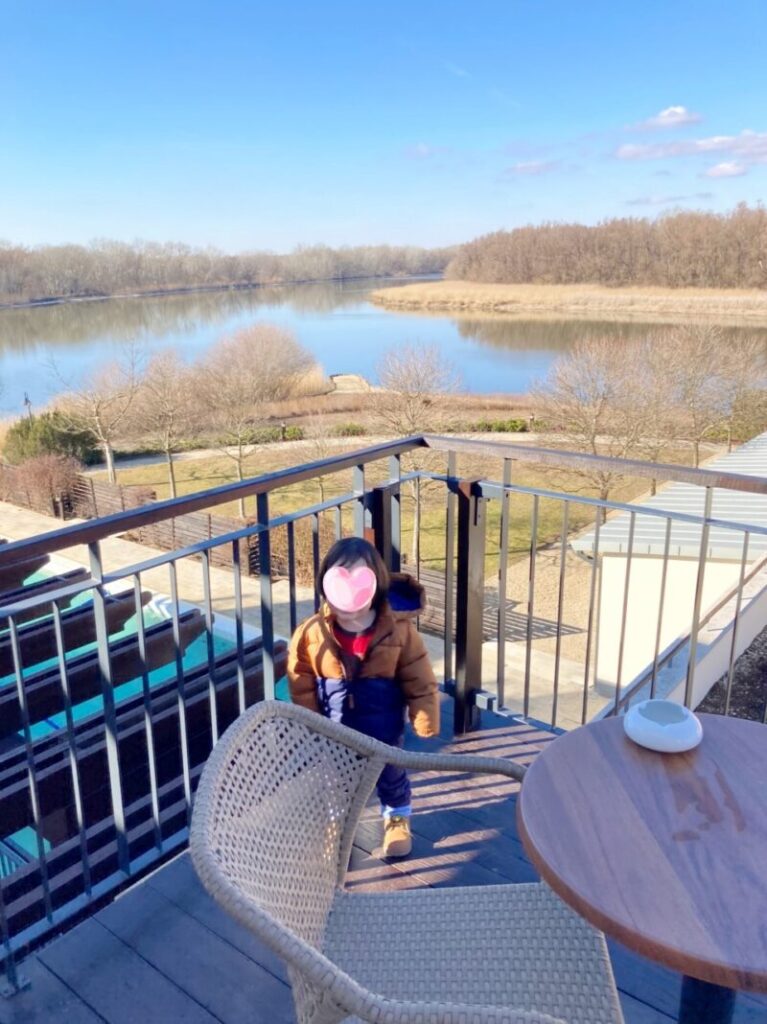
{"type": "Point", "coordinates": [582, 301]}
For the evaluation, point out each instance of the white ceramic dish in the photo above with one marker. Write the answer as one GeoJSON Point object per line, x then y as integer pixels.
{"type": "Point", "coordinates": [663, 725]}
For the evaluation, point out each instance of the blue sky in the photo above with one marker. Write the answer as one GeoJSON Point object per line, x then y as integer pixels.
{"type": "Point", "coordinates": [258, 125]}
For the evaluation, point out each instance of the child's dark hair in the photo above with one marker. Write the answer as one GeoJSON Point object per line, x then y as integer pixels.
{"type": "Point", "coordinates": [349, 550]}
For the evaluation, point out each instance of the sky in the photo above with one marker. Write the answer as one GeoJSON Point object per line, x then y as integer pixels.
{"type": "Point", "coordinates": [258, 125]}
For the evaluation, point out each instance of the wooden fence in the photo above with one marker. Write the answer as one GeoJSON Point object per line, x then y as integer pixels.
{"type": "Point", "coordinates": [87, 498]}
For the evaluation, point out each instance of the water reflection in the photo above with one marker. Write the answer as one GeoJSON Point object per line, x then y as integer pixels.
{"type": "Point", "coordinates": [334, 320]}
{"type": "Point", "coordinates": [133, 319]}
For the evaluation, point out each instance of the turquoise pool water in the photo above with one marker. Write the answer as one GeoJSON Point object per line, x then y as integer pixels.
{"type": "Point", "coordinates": [196, 654]}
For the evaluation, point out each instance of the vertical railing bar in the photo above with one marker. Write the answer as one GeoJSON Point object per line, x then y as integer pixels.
{"type": "Point", "coordinates": [590, 624]}
{"type": "Point", "coordinates": [292, 570]}
{"type": "Point", "coordinates": [34, 792]}
{"type": "Point", "coordinates": [661, 608]}
{"type": "Point", "coordinates": [358, 486]}
{"type": "Point", "coordinates": [624, 614]}
{"type": "Point", "coordinates": [146, 692]}
{"type": "Point", "coordinates": [530, 604]}
{"type": "Point", "coordinates": [267, 616]}
{"type": "Point", "coordinates": [395, 476]}
{"type": "Point", "coordinates": [110, 715]}
{"type": "Point", "coordinates": [690, 680]}
{"type": "Point", "coordinates": [238, 627]}
{"type": "Point", "coordinates": [503, 572]}
{"type": "Point", "coordinates": [180, 688]}
{"type": "Point", "coordinates": [210, 646]}
{"type": "Point", "coordinates": [736, 623]}
{"type": "Point", "coordinates": [338, 523]}
{"type": "Point", "coordinates": [560, 609]}
{"type": "Point", "coordinates": [15, 982]}
{"type": "Point", "coordinates": [316, 556]}
{"type": "Point", "coordinates": [417, 528]}
{"type": "Point", "coordinates": [74, 764]}
{"type": "Point", "coordinates": [452, 464]}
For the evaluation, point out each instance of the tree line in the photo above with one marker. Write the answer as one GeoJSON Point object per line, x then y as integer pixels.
{"type": "Point", "coordinates": [111, 267]}
{"type": "Point", "coordinates": [679, 250]}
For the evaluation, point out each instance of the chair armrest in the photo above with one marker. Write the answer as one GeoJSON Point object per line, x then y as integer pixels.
{"type": "Point", "coordinates": [369, 747]}
{"type": "Point", "coordinates": [456, 763]}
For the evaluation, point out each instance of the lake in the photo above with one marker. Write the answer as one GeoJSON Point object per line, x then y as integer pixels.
{"type": "Point", "coordinates": [45, 348]}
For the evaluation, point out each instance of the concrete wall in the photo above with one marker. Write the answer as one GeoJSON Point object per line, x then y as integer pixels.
{"type": "Point", "coordinates": [643, 608]}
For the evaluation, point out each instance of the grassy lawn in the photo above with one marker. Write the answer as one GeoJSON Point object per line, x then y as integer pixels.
{"type": "Point", "coordinates": [201, 474]}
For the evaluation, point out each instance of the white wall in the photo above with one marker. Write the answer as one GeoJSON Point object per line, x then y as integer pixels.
{"type": "Point", "coordinates": [643, 608]}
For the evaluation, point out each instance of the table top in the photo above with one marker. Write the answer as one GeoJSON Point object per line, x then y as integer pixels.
{"type": "Point", "coordinates": [665, 852]}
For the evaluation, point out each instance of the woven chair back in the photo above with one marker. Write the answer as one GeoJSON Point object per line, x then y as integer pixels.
{"type": "Point", "coordinates": [284, 806]}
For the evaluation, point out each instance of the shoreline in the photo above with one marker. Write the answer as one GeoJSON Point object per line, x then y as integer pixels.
{"type": "Point", "coordinates": [587, 302]}
{"type": "Point", "coordinates": [157, 293]}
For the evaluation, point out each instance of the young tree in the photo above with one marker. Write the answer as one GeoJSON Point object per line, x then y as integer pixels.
{"type": "Point", "coordinates": [590, 397]}
{"type": "Point", "coordinates": [697, 357]}
{"type": "Point", "coordinates": [165, 409]}
{"type": "Point", "coordinates": [417, 384]}
{"type": "Point", "coordinates": [239, 376]}
{"type": "Point", "coordinates": [320, 444]}
{"type": "Point", "coordinates": [744, 379]}
{"type": "Point", "coordinates": [654, 399]}
{"type": "Point", "coordinates": [102, 403]}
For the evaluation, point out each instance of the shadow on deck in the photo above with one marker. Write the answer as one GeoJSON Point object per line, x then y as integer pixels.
{"type": "Point", "coordinates": [164, 952]}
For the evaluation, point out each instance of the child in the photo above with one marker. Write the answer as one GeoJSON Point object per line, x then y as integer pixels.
{"type": "Point", "coordinates": [361, 661]}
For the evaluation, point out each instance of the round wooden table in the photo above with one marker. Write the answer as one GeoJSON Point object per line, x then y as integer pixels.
{"type": "Point", "coordinates": [665, 852]}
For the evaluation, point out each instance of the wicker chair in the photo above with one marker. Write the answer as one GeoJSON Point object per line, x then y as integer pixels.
{"type": "Point", "coordinates": [274, 819]}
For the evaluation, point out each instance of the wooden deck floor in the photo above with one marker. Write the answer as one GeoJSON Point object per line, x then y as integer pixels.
{"type": "Point", "coordinates": [164, 953]}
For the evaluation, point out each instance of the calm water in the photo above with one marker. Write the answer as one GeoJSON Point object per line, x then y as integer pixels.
{"type": "Point", "coordinates": [335, 321]}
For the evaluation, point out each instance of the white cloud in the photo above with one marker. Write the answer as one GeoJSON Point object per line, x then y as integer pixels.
{"type": "Point", "coordinates": [727, 169]}
{"type": "Point", "coordinates": [454, 69]}
{"type": "Point", "coordinates": [749, 147]}
{"type": "Point", "coordinates": [669, 117]}
{"type": "Point", "coordinates": [663, 200]}
{"type": "Point", "coordinates": [424, 151]}
{"type": "Point", "coordinates": [531, 168]}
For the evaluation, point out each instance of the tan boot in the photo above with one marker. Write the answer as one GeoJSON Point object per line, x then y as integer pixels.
{"type": "Point", "coordinates": [398, 841]}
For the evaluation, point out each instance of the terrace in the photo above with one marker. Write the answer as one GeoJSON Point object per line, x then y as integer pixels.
{"type": "Point", "coordinates": [107, 721]}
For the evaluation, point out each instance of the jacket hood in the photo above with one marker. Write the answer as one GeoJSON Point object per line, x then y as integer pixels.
{"type": "Point", "coordinates": [406, 595]}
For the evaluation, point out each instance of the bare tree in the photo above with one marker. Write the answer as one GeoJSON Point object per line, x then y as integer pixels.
{"type": "Point", "coordinates": [590, 398]}
{"type": "Point", "coordinates": [239, 376]}
{"type": "Point", "coordinates": [320, 444]}
{"type": "Point", "coordinates": [695, 367]}
{"type": "Point", "coordinates": [654, 399]}
{"type": "Point", "coordinates": [417, 383]}
{"type": "Point", "coordinates": [102, 402]}
{"type": "Point", "coordinates": [165, 409]}
{"type": "Point", "coordinates": [744, 379]}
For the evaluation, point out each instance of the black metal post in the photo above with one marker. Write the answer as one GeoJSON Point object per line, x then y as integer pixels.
{"type": "Point", "coordinates": [470, 586]}
{"type": "Point", "coordinates": [380, 532]}
{"type": "Point", "coordinates": [703, 1003]}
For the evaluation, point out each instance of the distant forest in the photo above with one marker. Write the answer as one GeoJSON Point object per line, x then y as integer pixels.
{"type": "Point", "coordinates": [679, 250]}
{"type": "Point", "coordinates": [111, 268]}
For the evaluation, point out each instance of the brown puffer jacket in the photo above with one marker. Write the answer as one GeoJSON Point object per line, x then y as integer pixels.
{"type": "Point", "coordinates": [396, 654]}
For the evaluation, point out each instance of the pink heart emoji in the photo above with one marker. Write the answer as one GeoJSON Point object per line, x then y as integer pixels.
{"type": "Point", "coordinates": [350, 591]}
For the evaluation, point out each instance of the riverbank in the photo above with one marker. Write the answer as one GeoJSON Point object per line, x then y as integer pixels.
{"type": "Point", "coordinates": [235, 286]}
{"type": "Point", "coordinates": [580, 302]}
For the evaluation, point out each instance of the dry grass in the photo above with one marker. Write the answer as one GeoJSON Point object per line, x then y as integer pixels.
{"type": "Point", "coordinates": [586, 301]}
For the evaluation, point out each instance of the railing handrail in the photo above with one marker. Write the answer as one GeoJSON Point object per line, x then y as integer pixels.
{"type": "Point", "coordinates": [95, 530]}
{"type": "Point", "coordinates": [662, 471]}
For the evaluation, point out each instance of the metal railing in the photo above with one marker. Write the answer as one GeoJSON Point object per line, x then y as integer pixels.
{"type": "Point", "coordinates": [149, 744]}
